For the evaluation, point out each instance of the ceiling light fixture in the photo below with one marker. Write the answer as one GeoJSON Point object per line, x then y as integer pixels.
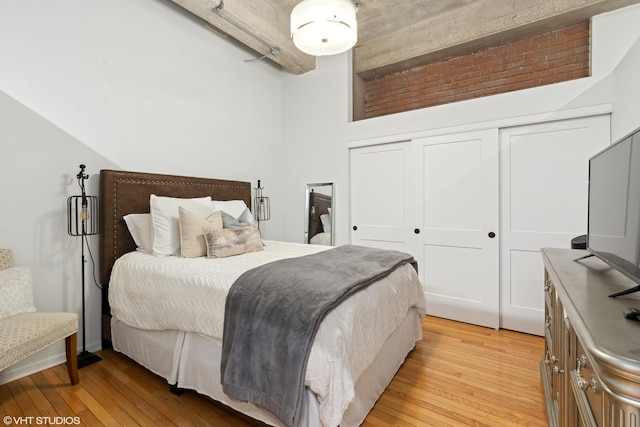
{"type": "Point", "coordinates": [324, 27]}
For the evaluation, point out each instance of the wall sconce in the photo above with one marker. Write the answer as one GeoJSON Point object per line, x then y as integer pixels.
{"type": "Point", "coordinates": [261, 206]}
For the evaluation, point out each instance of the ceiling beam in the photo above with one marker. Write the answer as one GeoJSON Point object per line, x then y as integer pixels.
{"type": "Point", "coordinates": [262, 20]}
{"type": "Point", "coordinates": [475, 27]}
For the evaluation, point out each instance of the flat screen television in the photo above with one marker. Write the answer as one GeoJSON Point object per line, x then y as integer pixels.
{"type": "Point", "coordinates": [614, 207]}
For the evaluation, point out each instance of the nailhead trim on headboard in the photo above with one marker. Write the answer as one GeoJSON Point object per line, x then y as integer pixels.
{"type": "Point", "coordinates": [121, 203]}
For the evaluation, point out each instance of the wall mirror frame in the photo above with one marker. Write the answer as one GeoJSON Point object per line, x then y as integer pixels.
{"type": "Point", "coordinates": [319, 214]}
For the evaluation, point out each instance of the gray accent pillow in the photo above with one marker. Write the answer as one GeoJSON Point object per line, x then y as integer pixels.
{"type": "Point", "coordinates": [228, 242]}
{"type": "Point", "coordinates": [247, 216]}
{"type": "Point", "coordinates": [231, 223]}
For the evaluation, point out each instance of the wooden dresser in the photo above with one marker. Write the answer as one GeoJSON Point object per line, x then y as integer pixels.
{"type": "Point", "coordinates": [591, 368]}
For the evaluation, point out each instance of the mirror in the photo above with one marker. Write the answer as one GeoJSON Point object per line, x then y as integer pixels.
{"type": "Point", "coordinates": [319, 213]}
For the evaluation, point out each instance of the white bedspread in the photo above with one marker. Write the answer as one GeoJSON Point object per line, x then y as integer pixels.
{"type": "Point", "coordinates": [173, 293]}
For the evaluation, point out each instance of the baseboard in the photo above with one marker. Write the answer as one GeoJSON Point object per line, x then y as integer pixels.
{"type": "Point", "coordinates": [44, 359]}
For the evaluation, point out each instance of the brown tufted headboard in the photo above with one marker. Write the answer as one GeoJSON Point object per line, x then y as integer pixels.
{"type": "Point", "coordinates": [122, 193]}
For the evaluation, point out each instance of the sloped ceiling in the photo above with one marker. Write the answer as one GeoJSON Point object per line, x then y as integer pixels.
{"type": "Point", "coordinates": [397, 35]}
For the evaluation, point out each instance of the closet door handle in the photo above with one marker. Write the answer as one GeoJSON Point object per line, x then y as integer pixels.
{"type": "Point", "coordinates": [355, 227]}
{"type": "Point", "coordinates": [417, 231]}
{"type": "Point", "coordinates": [492, 234]}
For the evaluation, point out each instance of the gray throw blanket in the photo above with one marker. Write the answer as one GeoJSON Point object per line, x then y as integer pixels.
{"type": "Point", "coordinates": [272, 314]}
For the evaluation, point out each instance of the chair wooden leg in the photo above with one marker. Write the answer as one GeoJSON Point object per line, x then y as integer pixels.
{"type": "Point", "coordinates": [71, 348]}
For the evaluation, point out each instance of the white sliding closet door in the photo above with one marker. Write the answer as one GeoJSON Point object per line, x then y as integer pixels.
{"type": "Point", "coordinates": [380, 197]}
{"type": "Point", "coordinates": [544, 183]}
{"type": "Point", "coordinates": [457, 236]}
{"type": "Point", "coordinates": [475, 209]}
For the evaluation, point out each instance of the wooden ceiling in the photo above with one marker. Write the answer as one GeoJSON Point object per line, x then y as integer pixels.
{"type": "Point", "coordinates": [394, 35]}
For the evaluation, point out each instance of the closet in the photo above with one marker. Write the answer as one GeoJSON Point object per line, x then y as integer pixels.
{"type": "Point", "coordinates": [474, 208]}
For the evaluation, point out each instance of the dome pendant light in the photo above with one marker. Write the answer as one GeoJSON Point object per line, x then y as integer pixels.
{"type": "Point", "coordinates": [324, 27]}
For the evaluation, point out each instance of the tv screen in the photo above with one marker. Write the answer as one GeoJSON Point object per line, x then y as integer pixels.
{"type": "Point", "coordinates": [614, 207]}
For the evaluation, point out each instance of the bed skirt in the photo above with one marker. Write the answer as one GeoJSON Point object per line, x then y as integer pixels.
{"type": "Point", "coordinates": [195, 364]}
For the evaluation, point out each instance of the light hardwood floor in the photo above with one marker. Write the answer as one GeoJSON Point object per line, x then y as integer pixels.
{"type": "Point", "coordinates": [458, 375]}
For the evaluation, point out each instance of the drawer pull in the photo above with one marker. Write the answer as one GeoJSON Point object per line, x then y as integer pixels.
{"type": "Point", "coordinates": [582, 362]}
{"type": "Point", "coordinates": [581, 381]}
{"type": "Point", "coordinates": [584, 384]}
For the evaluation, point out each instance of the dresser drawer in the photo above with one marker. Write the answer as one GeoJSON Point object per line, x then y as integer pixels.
{"type": "Point", "coordinates": [591, 366]}
{"type": "Point", "coordinates": [549, 294]}
{"type": "Point", "coordinates": [587, 389]}
{"type": "Point", "coordinates": [549, 313]}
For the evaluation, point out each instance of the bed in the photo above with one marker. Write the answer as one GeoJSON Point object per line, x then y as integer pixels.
{"type": "Point", "coordinates": [349, 364]}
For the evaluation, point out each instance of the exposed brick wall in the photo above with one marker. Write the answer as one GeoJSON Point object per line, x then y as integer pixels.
{"type": "Point", "coordinates": [552, 57]}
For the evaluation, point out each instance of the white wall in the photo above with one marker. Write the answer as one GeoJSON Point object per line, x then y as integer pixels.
{"type": "Point", "coordinates": [626, 94]}
{"type": "Point", "coordinates": [38, 164]}
{"type": "Point", "coordinates": [134, 85]}
{"type": "Point", "coordinates": [317, 133]}
{"type": "Point", "coordinates": [315, 141]}
{"type": "Point", "coordinates": [141, 85]}
{"type": "Point", "coordinates": [615, 34]}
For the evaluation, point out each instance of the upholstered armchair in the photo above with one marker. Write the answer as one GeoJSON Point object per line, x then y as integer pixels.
{"type": "Point", "coordinates": [23, 330]}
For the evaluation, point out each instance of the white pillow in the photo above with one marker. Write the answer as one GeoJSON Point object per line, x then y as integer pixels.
{"type": "Point", "coordinates": [139, 226]}
{"type": "Point", "coordinates": [164, 221]}
{"type": "Point", "coordinates": [235, 208]}
{"type": "Point", "coordinates": [192, 242]}
{"type": "Point", "coordinates": [16, 292]}
{"type": "Point", "coordinates": [325, 219]}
